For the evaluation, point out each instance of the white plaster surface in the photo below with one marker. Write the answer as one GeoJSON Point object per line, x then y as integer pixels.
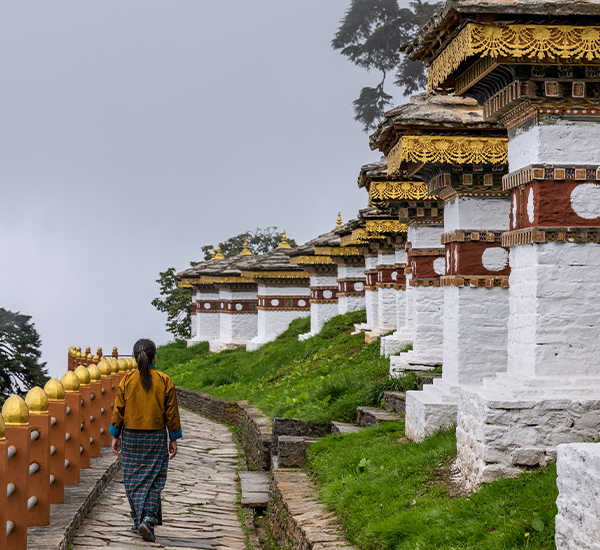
{"type": "Point", "coordinates": [238, 328]}
{"type": "Point", "coordinates": [567, 143]}
{"type": "Point", "coordinates": [401, 255]}
{"type": "Point", "coordinates": [228, 294]}
{"type": "Point", "coordinates": [530, 205]}
{"type": "Point", "coordinates": [403, 337]}
{"type": "Point", "coordinates": [386, 306]}
{"type": "Point", "coordinates": [476, 213]}
{"type": "Point", "coordinates": [439, 266]}
{"type": "Point", "coordinates": [494, 258]}
{"type": "Point", "coordinates": [424, 236]}
{"type": "Point", "coordinates": [372, 304]}
{"type": "Point", "coordinates": [370, 262]}
{"type": "Point", "coordinates": [553, 328]}
{"type": "Point", "coordinates": [271, 324]}
{"type": "Point", "coordinates": [324, 280]}
{"type": "Point", "coordinates": [585, 200]}
{"type": "Point", "coordinates": [578, 518]}
{"type": "Point", "coordinates": [514, 211]}
{"type": "Point", "coordinates": [346, 304]}
{"type": "Point", "coordinates": [266, 291]}
{"type": "Point", "coordinates": [320, 314]}
{"type": "Point", "coordinates": [386, 259]}
{"type": "Point", "coordinates": [208, 326]}
{"type": "Point", "coordinates": [351, 272]}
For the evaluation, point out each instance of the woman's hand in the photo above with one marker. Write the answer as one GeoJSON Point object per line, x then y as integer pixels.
{"type": "Point", "coordinates": [116, 445]}
{"type": "Point", "coordinates": [172, 449]}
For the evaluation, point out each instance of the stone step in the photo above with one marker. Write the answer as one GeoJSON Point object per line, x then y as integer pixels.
{"type": "Point", "coordinates": [293, 449]}
{"type": "Point", "coordinates": [370, 416]}
{"type": "Point", "coordinates": [255, 489]}
{"type": "Point", "coordinates": [344, 428]}
{"type": "Point", "coordinates": [394, 401]}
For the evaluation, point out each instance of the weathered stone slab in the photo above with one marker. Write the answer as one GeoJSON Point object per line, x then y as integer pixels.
{"type": "Point", "coordinates": [394, 401]}
{"type": "Point", "coordinates": [292, 450]}
{"type": "Point", "coordinates": [291, 426]}
{"type": "Point", "coordinates": [370, 416]}
{"type": "Point", "coordinates": [344, 428]}
{"type": "Point", "coordinates": [255, 488]}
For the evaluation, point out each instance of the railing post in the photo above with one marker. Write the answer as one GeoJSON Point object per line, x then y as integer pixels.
{"type": "Point", "coordinates": [3, 484]}
{"type": "Point", "coordinates": [58, 429]}
{"type": "Point", "coordinates": [38, 492]}
{"type": "Point", "coordinates": [95, 409]}
{"type": "Point", "coordinates": [105, 403]}
{"type": "Point", "coordinates": [114, 369]}
{"type": "Point", "coordinates": [115, 353]}
{"type": "Point", "coordinates": [73, 423]}
{"type": "Point", "coordinates": [18, 440]}
{"type": "Point", "coordinates": [84, 415]}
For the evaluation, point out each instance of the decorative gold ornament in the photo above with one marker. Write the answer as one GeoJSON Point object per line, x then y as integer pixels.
{"type": "Point", "coordinates": [386, 226]}
{"type": "Point", "coordinates": [99, 352]}
{"type": "Point", "coordinates": [104, 367]}
{"type": "Point", "coordinates": [535, 42]}
{"type": "Point", "coordinates": [284, 244]}
{"type": "Point", "coordinates": [54, 390]}
{"type": "Point", "coordinates": [134, 362]}
{"type": "Point", "coordinates": [114, 366]}
{"type": "Point", "coordinates": [450, 150]}
{"type": "Point", "coordinates": [96, 358]}
{"type": "Point", "coordinates": [339, 220]}
{"type": "Point", "coordinates": [37, 401]}
{"type": "Point", "coordinates": [95, 373]}
{"type": "Point", "coordinates": [83, 374]}
{"type": "Point", "coordinates": [337, 251]}
{"type": "Point", "coordinates": [218, 255]}
{"type": "Point", "coordinates": [246, 250]}
{"type": "Point", "coordinates": [311, 260]}
{"type": "Point", "coordinates": [90, 357]}
{"type": "Point", "coordinates": [122, 365]}
{"type": "Point", "coordinates": [399, 190]}
{"type": "Point", "coordinates": [70, 382]}
{"type": "Point", "coordinates": [15, 411]}
{"type": "Point", "coordinates": [88, 350]}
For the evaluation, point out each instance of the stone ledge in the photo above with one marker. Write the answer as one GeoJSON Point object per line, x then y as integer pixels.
{"type": "Point", "coordinates": [370, 416]}
{"type": "Point", "coordinates": [293, 450]}
{"type": "Point", "coordinates": [297, 519]}
{"type": "Point", "coordinates": [67, 517]}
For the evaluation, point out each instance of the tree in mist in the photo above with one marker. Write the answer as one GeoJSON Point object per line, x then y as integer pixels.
{"type": "Point", "coordinates": [176, 303]}
{"type": "Point", "coordinates": [370, 35]}
{"type": "Point", "coordinates": [260, 241]}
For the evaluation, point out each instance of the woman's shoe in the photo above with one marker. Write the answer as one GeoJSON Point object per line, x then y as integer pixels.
{"type": "Point", "coordinates": [146, 529]}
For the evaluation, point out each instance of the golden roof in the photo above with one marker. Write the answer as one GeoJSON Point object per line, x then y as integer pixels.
{"type": "Point", "coordinates": [95, 373]}
{"type": "Point", "coordinates": [70, 382]}
{"type": "Point", "coordinates": [37, 401]}
{"type": "Point", "coordinates": [54, 390]}
{"type": "Point", "coordinates": [15, 411]}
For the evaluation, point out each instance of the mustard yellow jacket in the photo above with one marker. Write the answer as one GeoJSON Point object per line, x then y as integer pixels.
{"type": "Point", "coordinates": [138, 409]}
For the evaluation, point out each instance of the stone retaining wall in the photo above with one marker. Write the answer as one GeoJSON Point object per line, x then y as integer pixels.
{"type": "Point", "coordinates": [254, 426]}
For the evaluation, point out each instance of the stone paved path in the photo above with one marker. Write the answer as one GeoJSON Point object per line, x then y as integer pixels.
{"type": "Point", "coordinates": [199, 500]}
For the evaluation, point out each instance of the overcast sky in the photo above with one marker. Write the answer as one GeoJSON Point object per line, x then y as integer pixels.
{"type": "Point", "coordinates": [134, 132]}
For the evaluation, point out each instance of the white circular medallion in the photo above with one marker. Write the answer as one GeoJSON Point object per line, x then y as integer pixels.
{"type": "Point", "coordinates": [530, 205]}
{"type": "Point", "coordinates": [301, 303]}
{"type": "Point", "coordinates": [206, 305]}
{"type": "Point", "coordinates": [327, 294]}
{"type": "Point", "coordinates": [238, 307]}
{"type": "Point", "coordinates": [494, 258]}
{"type": "Point", "coordinates": [585, 201]}
{"type": "Point", "coordinates": [514, 211]}
{"type": "Point", "coordinates": [395, 276]}
{"type": "Point", "coordinates": [359, 287]}
{"type": "Point", "coordinates": [228, 306]}
{"type": "Point", "coordinates": [222, 305]}
{"type": "Point", "coordinates": [456, 259]}
{"type": "Point", "coordinates": [439, 265]}
{"type": "Point", "coordinates": [448, 261]}
{"type": "Point", "coordinates": [275, 302]}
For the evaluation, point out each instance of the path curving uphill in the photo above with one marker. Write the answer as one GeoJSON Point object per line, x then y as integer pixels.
{"type": "Point", "coordinates": [199, 500]}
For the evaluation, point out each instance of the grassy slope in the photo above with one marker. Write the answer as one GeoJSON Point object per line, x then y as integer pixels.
{"type": "Point", "coordinates": [323, 378]}
{"type": "Point", "coordinates": [390, 495]}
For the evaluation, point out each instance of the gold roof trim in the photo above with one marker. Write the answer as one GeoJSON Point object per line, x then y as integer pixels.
{"type": "Point", "coordinates": [337, 251]}
{"type": "Point", "coordinates": [385, 226]}
{"type": "Point", "coordinates": [449, 150]}
{"type": "Point", "coordinates": [276, 274]}
{"type": "Point", "coordinates": [311, 260]}
{"type": "Point", "coordinates": [536, 42]}
{"type": "Point", "coordinates": [227, 280]}
{"type": "Point", "coordinates": [399, 190]}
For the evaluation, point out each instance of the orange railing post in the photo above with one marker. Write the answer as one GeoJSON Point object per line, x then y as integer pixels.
{"type": "Point", "coordinates": [114, 369]}
{"type": "Point", "coordinates": [84, 415]}
{"type": "Point", "coordinates": [105, 403]}
{"type": "Point", "coordinates": [18, 438]}
{"type": "Point", "coordinates": [58, 430]}
{"type": "Point", "coordinates": [95, 409]}
{"type": "Point", "coordinates": [73, 423]}
{"type": "Point", "coordinates": [38, 493]}
{"type": "Point", "coordinates": [3, 484]}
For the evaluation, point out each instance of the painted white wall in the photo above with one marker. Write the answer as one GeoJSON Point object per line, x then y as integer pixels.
{"type": "Point", "coordinates": [476, 213]}
{"type": "Point", "coordinates": [553, 327]}
{"type": "Point", "coordinates": [475, 333]}
{"type": "Point", "coordinates": [320, 314]}
{"type": "Point", "coordinates": [568, 143]}
{"type": "Point", "coordinates": [323, 280]}
{"type": "Point", "coordinates": [425, 236]}
{"type": "Point", "coordinates": [238, 328]}
{"type": "Point", "coordinates": [272, 323]}
{"type": "Point", "coordinates": [284, 290]}
{"type": "Point", "coordinates": [372, 305]}
{"type": "Point", "coordinates": [401, 255]}
{"type": "Point", "coordinates": [227, 294]}
{"type": "Point", "coordinates": [428, 338]}
{"type": "Point", "coordinates": [351, 272]}
{"type": "Point", "coordinates": [370, 262]}
{"type": "Point", "coordinates": [346, 304]}
{"type": "Point", "coordinates": [386, 259]}
{"type": "Point", "coordinates": [208, 326]}
{"type": "Point", "coordinates": [386, 306]}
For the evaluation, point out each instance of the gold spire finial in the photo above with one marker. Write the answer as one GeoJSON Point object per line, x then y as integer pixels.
{"type": "Point", "coordinates": [284, 244]}
{"type": "Point", "coordinates": [339, 220]}
{"type": "Point", "coordinates": [246, 251]}
{"type": "Point", "coordinates": [218, 255]}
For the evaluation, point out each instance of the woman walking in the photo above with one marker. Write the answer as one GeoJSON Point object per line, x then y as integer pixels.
{"type": "Point", "coordinates": [145, 404]}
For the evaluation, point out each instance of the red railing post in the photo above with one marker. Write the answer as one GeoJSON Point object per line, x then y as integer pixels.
{"type": "Point", "coordinates": [95, 409]}
{"type": "Point", "coordinates": [3, 484]}
{"type": "Point", "coordinates": [105, 403]}
{"type": "Point", "coordinates": [58, 429]}
{"type": "Point", "coordinates": [70, 382]}
{"type": "Point", "coordinates": [84, 415]}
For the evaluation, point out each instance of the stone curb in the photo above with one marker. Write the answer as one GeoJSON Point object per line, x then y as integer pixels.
{"type": "Point", "coordinates": [67, 517]}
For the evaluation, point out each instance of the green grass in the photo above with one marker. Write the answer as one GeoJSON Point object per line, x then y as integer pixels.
{"type": "Point", "coordinates": [321, 379]}
{"type": "Point", "coordinates": [392, 494]}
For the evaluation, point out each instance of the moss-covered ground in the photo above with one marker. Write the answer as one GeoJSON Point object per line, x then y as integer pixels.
{"type": "Point", "coordinates": [321, 379]}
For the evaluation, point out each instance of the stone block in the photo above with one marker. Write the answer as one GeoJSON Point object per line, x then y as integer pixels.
{"type": "Point", "coordinates": [291, 426]}
{"type": "Point", "coordinates": [293, 449]}
{"type": "Point", "coordinates": [395, 401]}
{"type": "Point", "coordinates": [344, 428]}
{"type": "Point", "coordinates": [370, 416]}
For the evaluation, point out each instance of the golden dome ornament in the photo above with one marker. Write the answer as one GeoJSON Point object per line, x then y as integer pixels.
{"type": "Point", "coordinates": [83, 374]}
{"type": "Point", "coordinates": [37, 401]}
{"type": "Point", "coordinates": [114, 366]}
{"type": "Point", "coordinates": [54, 390]}
{"type": "Point", "coordinates": [104, 367]}
{"type": "Point", "coordinates": [339, 220]}
{"type": "Point", "coordinates": [95, 373]}
{"type": "Point", "coordinates": [219, 254]}
{"type": "Point", "coordinates": [246, 250]}
{"type": "Point", "coordinates": [15, 411]}
{"type": "Point", "coordinates": [70, 382]}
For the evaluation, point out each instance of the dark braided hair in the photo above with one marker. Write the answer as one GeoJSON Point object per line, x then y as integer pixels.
{"type": "Point", "coordinates": [144, 351]}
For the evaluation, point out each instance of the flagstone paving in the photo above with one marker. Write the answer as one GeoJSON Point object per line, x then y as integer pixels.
{"type": "Point", "coordinates": [199, 500]}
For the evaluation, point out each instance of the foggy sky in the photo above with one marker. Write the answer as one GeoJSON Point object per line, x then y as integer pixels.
{"type": "Point", "coordinates": [133, 132]}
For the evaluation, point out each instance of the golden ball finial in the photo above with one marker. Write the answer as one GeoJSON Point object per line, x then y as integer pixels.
{"type": "Point", "coordinates": [95, 373]}
{"type": "Point", "coordinates": [219, 255]}
{"type": "Point", "coordinates": [87, 350]}
{"type": "Point", "coordinates": [134, 363]}
{"type": "Point", "coordinates": [78, 355]}
{"type": "Point", "coordinates": [54, 390]}
{"type": "Point", "coordinates": [90, 357]}
{"type": "Point", "coordinates": [15, 411]}
{"type": "Point", "coordinates": [284, 244]}
{"type": "Point", "coordinates": [99, 351]}
{"type": "Point", "coordinates": [246, 250]}
{"type": "Point", "coordinates": [114, 366]}
{"type": "Point", "coordinates": [37, 401]}
{"type": "Point", "coordinates": [122, 365]}
{"type": "Point", "coordinates": [104, 367]}
{"type": "Point", "coordinates": [2, 438]}
{"type": "Point", "coordinates": [83, 374]}
{"type": "Point", "coordinates": [78, 349]}
{"type": "Point", "coordinates": [96, 358]}
{"type": "Point", "coordinates": [339, 220]}
{"type": "Point", "coordinates": [70, 382]}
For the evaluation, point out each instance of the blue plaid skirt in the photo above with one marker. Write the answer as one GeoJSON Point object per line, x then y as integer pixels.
{"type": "Point", "coordinates": [145, 461]}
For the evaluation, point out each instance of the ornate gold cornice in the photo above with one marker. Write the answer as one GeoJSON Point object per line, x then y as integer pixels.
{"type": "Point", "coordinates": [385, 226]}
{"type": "Point", "coordinates": [190, 282]}
{"type": "Point", "coordinates": [536, 42]}
{"type": "Point", "coordinates": [399, 190]}
{"type": "Point", "coordinates": [449, 150]}
{"type": "Point", "coordinates": [337, 251]}
{"type": "Point", "coordinates": [275, 274]}
{"type": "Point", "coordinates": [227, 280]}
{"type": "Point", "coordinates": [311, 260]}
